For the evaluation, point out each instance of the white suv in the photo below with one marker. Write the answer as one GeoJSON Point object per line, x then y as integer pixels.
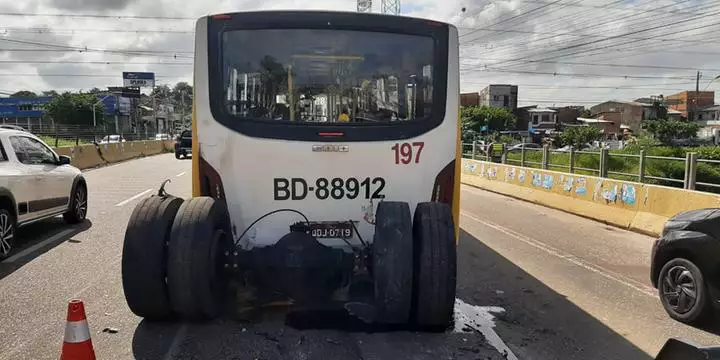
{"type": "Point", "coordinates": [35, 184]}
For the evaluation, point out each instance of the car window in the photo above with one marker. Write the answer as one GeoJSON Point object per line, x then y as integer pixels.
{"type": "Point", "coordinates": [31, 151]}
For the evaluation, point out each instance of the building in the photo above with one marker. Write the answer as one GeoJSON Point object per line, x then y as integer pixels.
{"type": "Point", "coordinates": [542, 119]}
{"type": "Point", "coordinates": [630, 113]}
{"type": "Point", "coordinates": [470, 99]}
{"type": "Point", "coordinates": [689, 101]}
{"type": "Point", "coordinates": [29, 111]}
{"type": "Point", "coordinates": [500, 96]}
{"type": "Point", "coordinates": [709, 120]}
{"type": "Point", "coordinates": [607, 127]}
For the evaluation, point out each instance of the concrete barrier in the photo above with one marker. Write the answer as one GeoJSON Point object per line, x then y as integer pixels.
{"type": "Point", "coordinates": [89, 155]}
{"type": "Point", "coordinates": [640, 207]}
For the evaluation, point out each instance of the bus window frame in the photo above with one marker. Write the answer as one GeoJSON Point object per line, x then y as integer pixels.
{"type": "Point", "coordinates": [352, 132]}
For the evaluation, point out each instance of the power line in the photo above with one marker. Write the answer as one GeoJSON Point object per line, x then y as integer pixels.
{"type": "Point", "coordinates": [89, 62]}
{"type": "Point", "coordinates": [513, 17]}
{"type": "Point", "coordinates": [597, 64]}
{"type": "Point", "coordinates": [586, 75]}
{"type": "Point", "coordinates": [87, 49]}
{"type": "Point", "coordinates": [623, 8]}
{"type": "Point", "coordinates": [615, 37]}
{"type": "Point", "coordinates": [40, 30]}
{"type": "Point", "coordinates": [98, 16]}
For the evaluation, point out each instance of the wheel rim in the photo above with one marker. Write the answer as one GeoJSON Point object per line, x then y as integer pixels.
{"type": "Point", "coordinates": [80, 203]}
{"type": "Point", "coordinates": [7, 234]}
{"type": "Point", "coordinates": [680, 289]}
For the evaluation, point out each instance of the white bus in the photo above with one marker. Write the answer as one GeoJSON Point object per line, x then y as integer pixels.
{"type": "Point", "coordinates": [325, 163]}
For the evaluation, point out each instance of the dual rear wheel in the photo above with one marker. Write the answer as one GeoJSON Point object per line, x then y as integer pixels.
{"type": "Point", "coordinates": [414, 264]}
{"type": "Point", "coordinates": [171, 249]}
{"type": "Point", "coordinates": [171, 263]}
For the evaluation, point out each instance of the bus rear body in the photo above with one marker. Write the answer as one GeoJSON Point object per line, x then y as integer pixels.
{"type": "Point", "coordinates": [325, 150]}
{"type": "Point", "coordinates": [372, 66]}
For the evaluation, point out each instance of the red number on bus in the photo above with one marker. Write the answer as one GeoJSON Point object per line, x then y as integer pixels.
{"type": "Point", "coordinates": [404, 152]}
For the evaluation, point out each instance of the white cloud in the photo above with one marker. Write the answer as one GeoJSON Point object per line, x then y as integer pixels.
{"type": "Point", "coordinates": [518, 30]}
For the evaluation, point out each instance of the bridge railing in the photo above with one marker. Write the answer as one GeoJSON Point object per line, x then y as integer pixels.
{"type": "Point", "coordinates": [689, 173]}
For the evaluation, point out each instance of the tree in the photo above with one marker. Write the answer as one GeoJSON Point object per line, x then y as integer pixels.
{"type": "Point", "coordinates": [667, 130]}
{"type": "Point", "coordinates": [24, 93]}
{"type": "Point", "coordinates": [182, 95]}
{"type": "Point", "coordinates": [578, 136]}
{"type": "Point", "coordinates": [586, 113]}
{"type": "Point", "coordinates": [69, 108]}
{"type": "Point", "coordinates": [496, 119]}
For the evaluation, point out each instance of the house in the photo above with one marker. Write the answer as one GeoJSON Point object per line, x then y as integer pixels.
{"type": "Point", "coordinates": [500, 96]}
{"type": "Point", "coordinates": [542, 119]}
{"type": "Point", "coordinates": [688, 102]}
{"type": "Point", "coordinates": [607, 127]}
{"type": "Point", "coordinates": [630, 113]}
{"type": "Point", "coordinates": [709, 120]}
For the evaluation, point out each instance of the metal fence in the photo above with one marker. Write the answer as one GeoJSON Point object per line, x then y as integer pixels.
{"type": "Point", "coordinates": [73, 135]}
{"type": "Point", "coordinates": [679, 172]}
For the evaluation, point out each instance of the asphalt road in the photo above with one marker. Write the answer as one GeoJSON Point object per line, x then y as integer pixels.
{"type": "Point", "coordinates": [571, 289]}
{"type": "Point", "coordinates": [58, 263]}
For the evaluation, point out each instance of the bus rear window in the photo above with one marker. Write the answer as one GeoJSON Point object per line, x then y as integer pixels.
{"type": "Point", "coordinates": [327, 76]}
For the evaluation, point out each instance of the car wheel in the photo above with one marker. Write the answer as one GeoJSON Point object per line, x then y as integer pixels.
{"type": "Point", "coordinates": [78, 205]}
{"type": "Point", "coordinates": [7, 233]}
{"type": "Point", "coordinates": [177, 155]}
{"type": "Point", "coordinates": [682, 291]}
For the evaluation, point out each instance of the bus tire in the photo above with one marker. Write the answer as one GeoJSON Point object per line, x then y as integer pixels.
{"type": "Point", "coordinates": [144, 257]}
{"type": "Point", "coordinates": [435, 264]}
{"type": "Point", "coordinates": [393, 262]}
{"type": "Point", "coordinates": [199, 237]}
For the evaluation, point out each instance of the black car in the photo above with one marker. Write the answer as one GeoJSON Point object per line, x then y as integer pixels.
{"type": "Point", "coordinates": [183, 145]}
{"type": "Point", "coordinates": [685, 265]}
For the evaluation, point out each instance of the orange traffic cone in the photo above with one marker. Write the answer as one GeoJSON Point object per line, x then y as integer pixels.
{"type": "Point", "coordinates": [77, 344]}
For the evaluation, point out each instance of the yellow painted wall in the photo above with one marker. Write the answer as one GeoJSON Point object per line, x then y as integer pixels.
{"type": "Point", "coordinates": [89, 156]}
{"type": "Point", "coordinates": [631, 205]}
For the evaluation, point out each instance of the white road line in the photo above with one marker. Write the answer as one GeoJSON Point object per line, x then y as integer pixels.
{"type": "Point", "coordinates": [177, 340]}
{"type": "Point", "coordinates": [180, 174]}
{"type": "Point", "coordinates": [565, 256]}
{"type": "Point", "coordinates": [133, 197]}
{"type": "Point", "coordinates": [37, 246]}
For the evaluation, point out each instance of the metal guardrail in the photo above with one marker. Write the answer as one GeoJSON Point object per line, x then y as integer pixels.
{"type": "Point", "coordinates": [604, 158]}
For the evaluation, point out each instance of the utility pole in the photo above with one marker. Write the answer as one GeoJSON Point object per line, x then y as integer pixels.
{"type": "Point", "coordinates": [693, 106]}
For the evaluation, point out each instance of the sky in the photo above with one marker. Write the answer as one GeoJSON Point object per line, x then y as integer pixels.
{"type": "Point", "coordinates": [559, 52]}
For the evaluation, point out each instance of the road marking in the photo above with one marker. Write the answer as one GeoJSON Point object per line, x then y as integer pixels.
{"type": "Point", "coordinates": [180, 174]}
{"type": "Point", "coordinates": [565, 256]}
{"type": "Point", "coordinates": [37, 246]}
{"type": "Point", "coordinates": [177, 340]}
{"type": "Point", "coordinates": [133, 197]}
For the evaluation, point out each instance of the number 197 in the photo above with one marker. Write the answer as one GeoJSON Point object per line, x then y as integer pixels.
{"type": "Point", "coordinates": [404, 152]}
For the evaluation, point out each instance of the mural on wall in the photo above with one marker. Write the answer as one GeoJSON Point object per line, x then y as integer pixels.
{"type": "Point", "coordinates": [548, 181]}
{"type": "Point", "coordinates": [628, 194]}
{"type": "Point", "coordinates": [567, 182]}
{"type": "Point", "coordinates": [610, 194]}
{"type": "Point", "coordinates": [510, 174]}
{"type": "Point", "coordinates": [581, 186]}
{"type": "Point", "coordinates": [492, 172]}
{"type": "Point", "coordinates": [536, 179]}
{"type": "Point", "coordinates": [521, 176]}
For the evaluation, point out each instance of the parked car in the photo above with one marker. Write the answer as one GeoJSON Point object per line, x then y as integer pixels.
{"type": "Point", "coordinates": [35, 184]}
{"type": "Point", "coordinates": [685, 265]}
{"type": "Point", "coordinates": [518, 147]}
{"type": "Point", "coordinates": [183, 144]}
{"type": "Point", "coordinates": [110, 139]}
{"type": "Point", "coordinates": [12, 127]}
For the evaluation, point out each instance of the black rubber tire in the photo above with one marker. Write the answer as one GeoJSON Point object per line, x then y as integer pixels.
{"type": "Point", "coordinates": [177, 155]}
{"type": "Point", "coordinates": [195, 277]}
{"type": "Point", "coordinates": [75, 214]}
{"type": "Point", "coordinates": [435, 265]}
{"type": "Point", "coordinates": [392, 262]}
{"type": "Point", "coordinates": [701, 311]}
{"type": "Point", "coordinates": [5, 215]}
{"type": "Point", "coordinates": [144, 257]}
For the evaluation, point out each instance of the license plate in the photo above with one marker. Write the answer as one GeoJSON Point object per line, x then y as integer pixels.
{"type": "Point", "coordinates": [331, 230]}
